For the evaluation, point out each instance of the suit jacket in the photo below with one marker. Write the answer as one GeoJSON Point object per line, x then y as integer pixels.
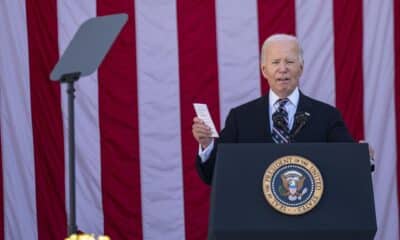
{"type": "Point", "coordinates": [249, 123]}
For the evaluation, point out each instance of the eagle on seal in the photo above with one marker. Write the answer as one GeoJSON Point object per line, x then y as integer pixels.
{"type": "Point", "coordinates": [293, 183]}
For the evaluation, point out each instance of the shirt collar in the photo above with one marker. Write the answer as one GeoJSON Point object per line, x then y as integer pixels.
{"type": "Point", "coordinates": [293, 97]}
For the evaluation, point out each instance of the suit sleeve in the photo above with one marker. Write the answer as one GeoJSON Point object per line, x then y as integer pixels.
{"type": "Point", "coordinates": [337, 130]}
{"type": "Point", "coordinates": [227, 135]}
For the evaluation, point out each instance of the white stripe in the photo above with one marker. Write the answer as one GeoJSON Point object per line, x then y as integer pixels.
{"type": "Point", "coordinates": [314, 26]}
{"type": "Point", "coordinates": [238, 54]}
{"type": "Point", "coordinates": [20, 220]}
{"type": "Point", "coordinates": [379, 111]}
{"type": "Point", "coordinates": [89, 210]}
{"type": "Point", "coordinates": [159, 120]}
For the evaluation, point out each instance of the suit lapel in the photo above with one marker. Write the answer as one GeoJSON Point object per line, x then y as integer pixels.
{"type": "Point", "coordinates": [303, 106]}
{"type": "Point", "coordinates": [265, 122]}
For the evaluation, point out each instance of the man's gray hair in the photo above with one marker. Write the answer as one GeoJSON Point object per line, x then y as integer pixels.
{"type": "Point", "coordinates": [279, 37]}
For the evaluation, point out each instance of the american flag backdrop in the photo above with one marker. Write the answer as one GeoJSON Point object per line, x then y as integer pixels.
{"type": "Point", "coordinates": [135, 151]}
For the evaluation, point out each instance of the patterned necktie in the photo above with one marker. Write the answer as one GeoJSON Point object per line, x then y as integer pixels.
{"type": "Point", "coordinates": [280, 129]}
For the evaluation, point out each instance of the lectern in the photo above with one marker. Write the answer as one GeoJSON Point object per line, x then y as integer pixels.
{"type": "Point", "coordinates": [239, 209]}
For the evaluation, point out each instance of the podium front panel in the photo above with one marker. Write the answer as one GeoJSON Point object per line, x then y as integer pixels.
{"type": "Point", "coordinates": [239, 209]}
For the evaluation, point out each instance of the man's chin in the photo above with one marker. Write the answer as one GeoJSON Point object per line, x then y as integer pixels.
{"type": "Point", "coordinates": [283, 92]}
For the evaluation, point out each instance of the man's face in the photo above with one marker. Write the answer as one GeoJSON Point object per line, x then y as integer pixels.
{"type": "Point", "coordinates": [282, 67]}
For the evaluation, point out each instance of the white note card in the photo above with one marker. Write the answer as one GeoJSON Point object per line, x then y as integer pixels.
{"type": "Point", "coordinates": [202, 112]}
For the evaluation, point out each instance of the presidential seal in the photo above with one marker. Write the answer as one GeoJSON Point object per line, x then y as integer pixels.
{"type": "Point", "coordinates": [293, 185]}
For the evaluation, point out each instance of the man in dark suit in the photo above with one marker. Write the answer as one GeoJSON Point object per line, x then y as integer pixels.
{"type": "Point", "coordinates": [284, 115]}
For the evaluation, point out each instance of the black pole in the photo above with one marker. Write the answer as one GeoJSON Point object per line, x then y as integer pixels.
{"type": "Point", "coordinates": [70, 79]}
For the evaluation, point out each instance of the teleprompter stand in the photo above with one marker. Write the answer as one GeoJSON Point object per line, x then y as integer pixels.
{"type": "Point", "coordinates": [81, 58]}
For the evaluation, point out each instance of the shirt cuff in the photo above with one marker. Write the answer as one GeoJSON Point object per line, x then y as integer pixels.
{"type": "Point", "coordinates": [204, 154]}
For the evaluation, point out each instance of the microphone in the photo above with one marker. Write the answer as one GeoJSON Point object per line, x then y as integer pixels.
{"type": "Point", "coordinates": [279, 120]}
{"type": "Point", "coordinates": [300, 119]}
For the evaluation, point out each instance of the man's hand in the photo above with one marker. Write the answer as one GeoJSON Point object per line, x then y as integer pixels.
{"type": "Point", "coordinates": [370, 149]}
{"type": "Point", "coordinates": [201, 132]}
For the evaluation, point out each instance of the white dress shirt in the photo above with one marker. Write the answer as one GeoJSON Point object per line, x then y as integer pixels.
{"type": "Point", "coordinates": [290, 107]}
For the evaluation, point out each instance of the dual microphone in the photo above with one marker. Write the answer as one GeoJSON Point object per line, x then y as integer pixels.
{"type": "Point", "coordinates": [300, 120]}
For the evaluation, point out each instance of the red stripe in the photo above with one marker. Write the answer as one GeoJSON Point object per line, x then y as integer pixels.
{"type": "Point", "coordinates": [1, 196]}
{"type": "Point", "coordinates": [348, 32]}
{"type": "Point", "coordinates": [46, 120]}
{"type": "Point", "coordinates": [119, 135]}
{"type": "Point", "coordinates": [198, 73]}
{"type": "Point", "coordinates": [274, 17]}
{"type": "Point", "coordinates": [397, 85]}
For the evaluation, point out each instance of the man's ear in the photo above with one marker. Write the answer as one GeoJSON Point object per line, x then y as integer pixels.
{"type": "Point", "coordinates": [263, 69]}
{"type": "Point", "coordinates": [301, 67]}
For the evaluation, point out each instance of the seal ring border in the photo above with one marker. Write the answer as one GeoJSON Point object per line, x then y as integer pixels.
{"type": "Point", "coordinates": [296, 160]}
